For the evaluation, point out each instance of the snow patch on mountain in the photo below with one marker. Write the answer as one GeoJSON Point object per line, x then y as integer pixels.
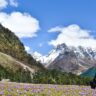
{"type": "Point", "coordinates": [68, 58]}
{"type": "Point", "coordinates": [79, 51]}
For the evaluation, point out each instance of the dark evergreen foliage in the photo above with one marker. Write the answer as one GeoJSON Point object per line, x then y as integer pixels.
{"type": "Point", "coordinates": [20, 76]}
{"type": "Point", "coordinates": [58, 77]}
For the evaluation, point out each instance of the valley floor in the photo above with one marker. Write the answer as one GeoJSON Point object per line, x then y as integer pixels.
{"type": "Point", "coordinates": [21, 89]}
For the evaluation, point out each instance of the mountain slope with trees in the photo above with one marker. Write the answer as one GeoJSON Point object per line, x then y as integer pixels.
{"type": "Point", "coordinates": [11, 45]}
{"type": "Point", "coordinates": [15, 63]}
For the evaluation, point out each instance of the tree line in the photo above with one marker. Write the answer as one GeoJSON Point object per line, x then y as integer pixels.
{"type": "Point", "coordinates": [44, 77]}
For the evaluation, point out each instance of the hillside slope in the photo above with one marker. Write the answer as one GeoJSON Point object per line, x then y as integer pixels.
{"type": "Point", "coordinates": [90, 72]}
{"type": "Point", "coordinates": [11, 45]}
{"type": "Point", "coordinates": [9, 63]}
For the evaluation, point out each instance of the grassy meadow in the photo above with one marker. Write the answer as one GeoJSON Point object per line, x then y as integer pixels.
{"type": "Point", "coordinates": [20, 89]}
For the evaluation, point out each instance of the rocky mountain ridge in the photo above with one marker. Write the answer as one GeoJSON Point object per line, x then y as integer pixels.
{"type": "Point", "coordinates": [68, 58]}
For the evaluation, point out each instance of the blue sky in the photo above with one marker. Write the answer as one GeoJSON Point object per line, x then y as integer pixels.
{"type": "Point", "coordinates": [80, 14]}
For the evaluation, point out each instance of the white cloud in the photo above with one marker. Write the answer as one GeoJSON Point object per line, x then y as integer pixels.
{"type": "Point", "coordinates": [56, 29]}
{"type": "Point", "coordinates": [27, 48]}
{"type": "Point", "coordinates": [13, 3]}
{"type": "Point", "coordinates": [3, 4]}
{"type": "Point", "coordinates": [73, 35]}
{"type": "Point", "coordinates": [41, 44]}
{"type": "Point", "coordinates": [22, 24]}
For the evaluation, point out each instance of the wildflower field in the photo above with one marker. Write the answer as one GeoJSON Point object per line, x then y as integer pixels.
{"type": "Point", "coordinates": [16, 89]}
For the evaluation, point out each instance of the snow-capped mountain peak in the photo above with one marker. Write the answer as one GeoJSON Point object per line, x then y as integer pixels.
{"type": "Point", "coordinates": [63, 49]}
{"type": "Point", "coordinates": [68, 58]}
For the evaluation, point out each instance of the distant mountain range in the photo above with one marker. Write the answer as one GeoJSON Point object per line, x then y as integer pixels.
{"type": "Point", "coordinates": [68, 58]}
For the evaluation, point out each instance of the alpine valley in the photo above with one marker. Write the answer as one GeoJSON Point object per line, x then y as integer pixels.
{"type": "Point", "coordinates": [19, 66]}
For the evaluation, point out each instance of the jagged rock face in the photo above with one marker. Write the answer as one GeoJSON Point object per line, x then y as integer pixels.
{"type": "Point", "coordinates": [70, 59]}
